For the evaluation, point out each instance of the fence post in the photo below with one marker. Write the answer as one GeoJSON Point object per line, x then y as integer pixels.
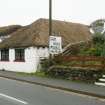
{"type": "Point", "coordinates": [103, 63]}
{"type": "Point", "coordinates": [83, 61]}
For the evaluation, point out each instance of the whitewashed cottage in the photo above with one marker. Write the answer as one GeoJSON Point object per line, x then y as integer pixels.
{"type": "Point", "coordinates": [22, 48]}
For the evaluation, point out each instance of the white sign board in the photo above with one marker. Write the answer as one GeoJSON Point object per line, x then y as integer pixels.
{"type": "Point", "coordinates": [55, 44]}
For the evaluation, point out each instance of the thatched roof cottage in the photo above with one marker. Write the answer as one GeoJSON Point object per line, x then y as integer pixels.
{"type": "Point", "coordinates": [26, 45]}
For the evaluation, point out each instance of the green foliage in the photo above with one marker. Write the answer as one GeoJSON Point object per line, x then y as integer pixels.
{"type": "Point", "coordinates": [99, 24]}
{"type": "Point", "coordinates": [41, 74]}
{"type": "Point", "coordinates": [97, 48]}
{"type": "Point", "coordinates": [98, 38]}
{"type": "Point", "coordinates": [93, 51]}
{"type": "Point", "coordinates": [46, 63]}
{"type": "Point", "coordinates": [103, 52]}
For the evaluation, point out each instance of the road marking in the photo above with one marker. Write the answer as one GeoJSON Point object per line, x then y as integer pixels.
{"type": "Point", "coordinates": [12, 98]}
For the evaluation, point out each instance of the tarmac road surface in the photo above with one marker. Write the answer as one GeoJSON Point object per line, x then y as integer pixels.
{"type": "Point", "coordinates": [14, 92]}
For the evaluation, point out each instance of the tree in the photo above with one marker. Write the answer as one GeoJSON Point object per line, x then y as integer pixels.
{"type": "Point", "coordinates": [98, 38]}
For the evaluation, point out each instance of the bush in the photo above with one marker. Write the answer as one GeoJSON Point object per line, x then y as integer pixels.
{"type": "Point", "coordinates": [46, 63]}
{"type": "Point", "coordinates": [98, 38]}
{"type": "Point", "coordinates": [95, 50]}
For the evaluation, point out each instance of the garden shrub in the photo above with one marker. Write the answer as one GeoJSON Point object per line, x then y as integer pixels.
{"type": "Point", "coordinates": [46, 63]}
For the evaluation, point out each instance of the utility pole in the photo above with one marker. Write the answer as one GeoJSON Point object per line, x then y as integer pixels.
{"type": "Point", "coordinates": [50, 17]}
{"type": "Point", "coordinates": [50, 23]}
{"type": "Point", "coordinates": [54, 40]}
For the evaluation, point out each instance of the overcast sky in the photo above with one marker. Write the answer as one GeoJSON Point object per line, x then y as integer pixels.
{"type": "Point", "coordinates": [24, 12]}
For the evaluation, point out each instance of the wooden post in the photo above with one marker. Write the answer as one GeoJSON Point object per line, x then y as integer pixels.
{"type": "Point", "coordinates": [50, 26]}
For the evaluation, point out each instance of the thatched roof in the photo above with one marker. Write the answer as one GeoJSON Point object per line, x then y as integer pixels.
{"type": "Point", "coordinates": [8, 29]}
{"type": "Point", "coordinates": [74, 49]}
{"type": "Point", "coordinates": [36, 34]}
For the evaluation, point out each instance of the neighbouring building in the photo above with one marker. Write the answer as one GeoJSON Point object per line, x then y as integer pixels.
{"type": "Point", "coordinates": [22, 48]}
{"type": "Point", "coordinates": [5, 32]}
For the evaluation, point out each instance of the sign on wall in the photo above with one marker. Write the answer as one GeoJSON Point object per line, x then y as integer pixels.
{"type": "Point", "coordinates": [55, 44]}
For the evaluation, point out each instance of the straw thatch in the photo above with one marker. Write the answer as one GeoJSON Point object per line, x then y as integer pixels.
{"type": "Point", "coordinates": [36, 34]}
{"type": "Point", "coordinates": [8, 29]}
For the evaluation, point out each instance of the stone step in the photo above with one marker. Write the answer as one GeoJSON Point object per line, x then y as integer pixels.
{"type": "Point", "coordinates": [103, 76]}
{"type": "Point", "coordinates": [99, 83]}
{"type": "Point", "coordinates": [102, 79]}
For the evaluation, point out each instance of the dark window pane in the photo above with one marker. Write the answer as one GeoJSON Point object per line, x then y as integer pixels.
{"type": "Point", "coordinates": [19, 54]}
{"type": "Point", "coordinates": [5, 55]}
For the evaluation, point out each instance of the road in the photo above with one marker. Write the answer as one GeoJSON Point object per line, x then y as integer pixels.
{"type": "Point", "coordinates": [20, 93]}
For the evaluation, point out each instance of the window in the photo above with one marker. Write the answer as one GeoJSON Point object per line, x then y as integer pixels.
{"type": "Point", "coordinates": [19, 54]}
{"type": "Point", "coordinates": [5, 55]}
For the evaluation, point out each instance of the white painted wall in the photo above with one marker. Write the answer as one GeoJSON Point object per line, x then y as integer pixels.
{"type": "Point", "coordinates": [32, 59]}
{"type": "Point", "coordinates": [0, 40]}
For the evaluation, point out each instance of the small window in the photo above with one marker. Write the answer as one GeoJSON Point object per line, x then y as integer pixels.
{"type": "Point", "coordinates": [19, 55]}
{"type": "Point", "coordinates": [5, 55]}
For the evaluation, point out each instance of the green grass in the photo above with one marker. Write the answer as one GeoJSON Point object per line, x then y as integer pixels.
{"type": "Point", "coordinates": [38, 73]}
{"type": "Point", "coordinates": [41, 74]}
